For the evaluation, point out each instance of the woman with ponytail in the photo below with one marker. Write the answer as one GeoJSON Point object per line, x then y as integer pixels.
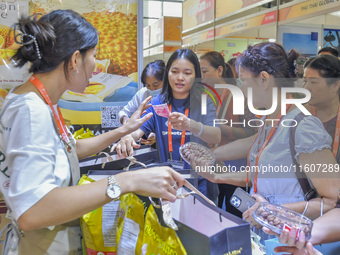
{"type": "Point", "coordinates": [272, 172]}
{"type": "Point", "coordinates": [39, 159]}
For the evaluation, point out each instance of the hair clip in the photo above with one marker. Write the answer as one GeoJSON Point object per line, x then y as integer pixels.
{"type": "Point", "coordinates": [33, 40]}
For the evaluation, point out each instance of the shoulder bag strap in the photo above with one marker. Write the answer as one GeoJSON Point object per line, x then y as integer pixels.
{"type": "Point", "coordinates": [308, 191]}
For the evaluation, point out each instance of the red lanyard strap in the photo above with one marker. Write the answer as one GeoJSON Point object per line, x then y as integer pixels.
{"type": "Point", "coordinates": [57, 117]}
{"type": "Point", "coordinates": [265, 143]}
{"type": "Point", "coordinates": [336, 134]}
{"type": "Point", "coordinates": [170, 133]}
{"type": "Point", "coordinates": [224, 94]}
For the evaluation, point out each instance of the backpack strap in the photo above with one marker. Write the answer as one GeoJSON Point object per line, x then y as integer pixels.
{"type": "Point", "coordinates": [308, 191]}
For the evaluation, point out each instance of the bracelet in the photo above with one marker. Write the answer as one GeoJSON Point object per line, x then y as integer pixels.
{"type": "Point", "coordinates": [321, 207]}
{"type": "Point", "coordinates": [305, 210]}
{"type": "Point", "coordinates": [201, 130]}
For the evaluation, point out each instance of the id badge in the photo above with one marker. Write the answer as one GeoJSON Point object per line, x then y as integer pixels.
{"type": "Point", "coordinates": [176, 164]}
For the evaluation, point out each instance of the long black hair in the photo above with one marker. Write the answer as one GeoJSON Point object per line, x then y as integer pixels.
{"type": "Point", "coordinates": [51, 40]}
{"type": "Point", "coordinates": [195, 91]}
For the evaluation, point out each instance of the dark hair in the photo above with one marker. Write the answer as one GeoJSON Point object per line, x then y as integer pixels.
{"type": "Point", "coordinates": [155, 68]}
{"type": "Point", "coordinates": [232, 62]}
{"type": "Point", "coordinates": [195, 93]}
{"type": "Point", "coordinates": [272, 58]}
{"type": "Point", "coordinates": [55, 36]}
{"type": "Point", "coordinates": [331, 50]}
{"type": "Point", "coordinates": [215, 59]}
{"type": "Point", "coordinates": [328, 67]}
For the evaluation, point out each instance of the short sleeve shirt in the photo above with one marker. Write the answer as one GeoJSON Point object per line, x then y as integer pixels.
{"type": "Point", "coordinates": [32, 157]}
{"type": "Point", "coordinates": [276, 179]}
{"type": "Point", "coordinates": [159, 125]}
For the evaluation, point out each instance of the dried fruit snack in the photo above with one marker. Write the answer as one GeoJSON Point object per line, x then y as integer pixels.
{"type": "Point", "coordinates": [277, 218]}
{"type": "Point", "coordinates": [196, 151]}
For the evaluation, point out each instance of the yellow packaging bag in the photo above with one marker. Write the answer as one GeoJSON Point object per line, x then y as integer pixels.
{"type": "Point", "coordinates": [130, 225]}
{"type": "Point", "coordinates": [81, 134]}
{"type": "Point", "coordinates": [159, 240]}
{"type": "Point", "coordinates": [99, 227]}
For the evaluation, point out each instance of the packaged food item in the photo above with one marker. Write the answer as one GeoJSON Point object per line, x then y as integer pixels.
{"type": "Point", "coordinates": [277, 218]}
{"type": "Point", "coordinates": [130, 227]}
{"type": "Point", "coordinates": [196, 150]}
{"type": "Point", "coordinates": [162, 110]}
{"type": "Point", "coordinates": [99, 226]}
{"type": "Point", "coordinates": [158, 239]}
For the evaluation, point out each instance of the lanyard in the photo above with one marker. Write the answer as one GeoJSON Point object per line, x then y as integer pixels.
{"type": "Point", "coordinates": [336, 134]}
{"type": "Point", "coordinates": [170, 133]}
{"type": "Point", "coordinates": [58, 118]}
{"type": "Point", "coordinates": [224, 94]}
{"type": "Point", "coordinates": [266, 141]}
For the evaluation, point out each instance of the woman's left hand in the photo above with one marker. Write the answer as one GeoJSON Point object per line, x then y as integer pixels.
{"type": "Point", "coordinates": [179, 121]}
{"type": "Point", "coordinates": [294, 247]}
{"type": "Point", "coordinates": [248, 215]}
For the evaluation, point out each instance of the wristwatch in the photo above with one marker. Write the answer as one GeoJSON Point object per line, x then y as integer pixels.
{"type": "Point", "coordinates": [113, 189]}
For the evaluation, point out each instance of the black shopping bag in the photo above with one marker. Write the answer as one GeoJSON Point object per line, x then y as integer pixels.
{"type": "Point", "coordinates": [206, 229]}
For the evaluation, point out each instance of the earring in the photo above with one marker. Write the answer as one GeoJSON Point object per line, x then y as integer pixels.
{"type": "Point", "coordinates": [76, 72]}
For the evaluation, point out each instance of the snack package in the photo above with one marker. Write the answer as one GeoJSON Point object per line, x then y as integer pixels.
{"type": "Point", "coordinates": [158, 239]}
{"type": "Point", "coordinates": [162, 110]}
{"type": "Point", "coordinates": [130, 225]}
{"type": "Point", "coordinates": [277, 218]}
{"type": "Point", "coordinates": [195, 150]}
{"type": "Point", "coordinates": [99, 226]}
{"type": "Point", "coordinates": [81, 134]}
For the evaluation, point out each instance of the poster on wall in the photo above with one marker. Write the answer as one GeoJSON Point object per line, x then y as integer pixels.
{"type": "Point", "coordinates": [331, 38]}
{"type": "Point", "coordinates": [9, 75]}
{"type": "Point", "coordinates": [233, 47]}
{"type": "Point", "coordinates": [305, 44]}
{"type": "Point", "coordinates": [114, 80]}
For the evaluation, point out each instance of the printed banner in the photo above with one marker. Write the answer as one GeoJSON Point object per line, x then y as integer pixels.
{"type": "Point", "coordinates": [197, 12]}
{"type": "Point", "coordinates": [9, 75]}
{"type": "Point", "coordinates": [225, 7]}
{"type": "Point", "coordinates": [299, 11]}
{"type": "Point", "coordinates": [198, 38]}
{"type": "Point", "coordinates": [245, 24]}
{"type": "Point", "coordinates": [116, 22]}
